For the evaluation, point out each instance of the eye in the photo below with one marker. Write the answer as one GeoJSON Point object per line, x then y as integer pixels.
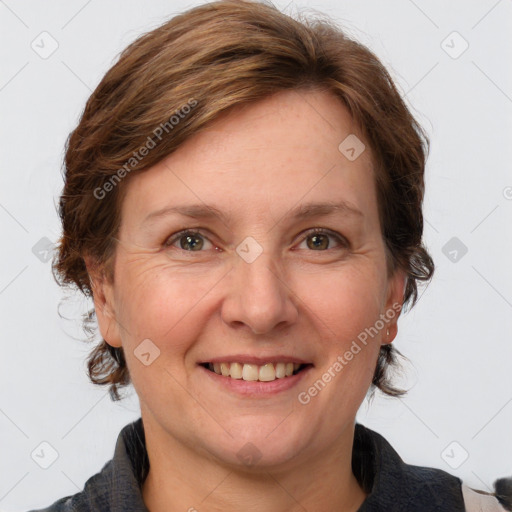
{"type": "Point", "coordinates": [318, 239]}
{"type": "Point", "coordinates": [189, 240]}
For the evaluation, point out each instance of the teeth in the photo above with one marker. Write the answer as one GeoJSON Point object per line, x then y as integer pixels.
{"type": "Point", "coordinates": [280, 370]}
{"type": "Point", "coordinates": [267, 373]}
{"type": "Point", "coordinates": [235, 370]}
{"type": "Point", "coordinates": [224, 369]}
{"type": "Point", "coordinates": [252, 372]}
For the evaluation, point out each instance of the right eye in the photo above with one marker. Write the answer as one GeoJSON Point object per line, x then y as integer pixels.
{"type": "Point", "coordinates": [189, 240]}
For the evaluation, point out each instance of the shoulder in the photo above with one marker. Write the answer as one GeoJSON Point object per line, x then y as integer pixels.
{"type": "Point", "coordinates": [117, 485]}
{"type": "Point", "coordinates": [477, 501]}
{"type": "Point", "coordinates": [62, 505]}
{"type": "Point", "coordinates": [391, 484]}
{"type": "Point", "coordinates": [499, 501]}
{"type": "Point", "coordinates": [93, 497]}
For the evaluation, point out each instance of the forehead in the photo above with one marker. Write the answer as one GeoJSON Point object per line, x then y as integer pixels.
{"type": "Point", "coordinates": [262, 159]}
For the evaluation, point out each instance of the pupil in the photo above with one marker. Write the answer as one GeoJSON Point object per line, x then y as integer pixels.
{"type": "Point", "coordinates": [193, 240]}
{"type": "Point", "coordinates": [323, 244]}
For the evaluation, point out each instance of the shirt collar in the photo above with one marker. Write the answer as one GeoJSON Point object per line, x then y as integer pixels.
{"type": "Point", "coordinates": [389, 482]}
{"type": "Point", "coordinates": [118, 486]}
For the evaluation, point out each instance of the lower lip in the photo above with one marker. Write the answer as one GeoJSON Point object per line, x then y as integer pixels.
{"type": "Point", "coordinates": [256, 387]}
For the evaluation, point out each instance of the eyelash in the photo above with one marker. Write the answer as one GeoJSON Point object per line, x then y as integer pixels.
{"type": "Point", "coordinates": [314, 231]}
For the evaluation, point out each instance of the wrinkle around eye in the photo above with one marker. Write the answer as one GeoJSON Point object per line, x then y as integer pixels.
{"type": "Point", "coordinates": [134, 249]}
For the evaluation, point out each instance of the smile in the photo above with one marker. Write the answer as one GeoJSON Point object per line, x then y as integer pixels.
{"type": "Point", "coordinates": [252, 372]}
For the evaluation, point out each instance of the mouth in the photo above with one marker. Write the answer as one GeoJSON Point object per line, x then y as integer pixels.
{"type": "Point", "coordinates": [267, 372]}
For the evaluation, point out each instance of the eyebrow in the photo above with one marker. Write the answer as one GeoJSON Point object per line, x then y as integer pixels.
{"type": "Point", "coordinates": [303, 211]}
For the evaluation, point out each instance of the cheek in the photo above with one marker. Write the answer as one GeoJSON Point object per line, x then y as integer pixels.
{"type": "Point", "coordinates": [166, 308]}
{"type": "Point", "coordinates": [346, 300]}
{"type": "Point", "coordinates": [162, 304]}
{"type": "Point", "coordinates": [347, 309]}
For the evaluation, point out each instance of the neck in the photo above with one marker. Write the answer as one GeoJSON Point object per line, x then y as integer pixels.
{"type": "Point", "coordinates": [181, 479]}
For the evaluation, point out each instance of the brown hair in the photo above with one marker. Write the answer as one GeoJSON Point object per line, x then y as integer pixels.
{"type": "Point", "coordinates": [181, 76]}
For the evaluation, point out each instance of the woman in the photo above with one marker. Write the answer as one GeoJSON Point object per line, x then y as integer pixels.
{"type": "Point", "coordinates": [243, 202]}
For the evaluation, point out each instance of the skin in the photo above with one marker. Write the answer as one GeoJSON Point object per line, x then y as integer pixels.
{"type": "Point", "coordinates": [256, 164]}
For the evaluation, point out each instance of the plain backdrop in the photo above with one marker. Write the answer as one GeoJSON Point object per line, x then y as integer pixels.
{"type": "Point", "coordinates": [452, 62]}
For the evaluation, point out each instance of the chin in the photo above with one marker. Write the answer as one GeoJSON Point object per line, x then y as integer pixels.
{"type": "Point", "coordinates": [262, 443]}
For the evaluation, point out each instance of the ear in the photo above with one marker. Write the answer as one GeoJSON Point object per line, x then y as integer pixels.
{"type": "Point", "coordinates": [104, 304]}
{"type": "Point", "coordinates": [394, 303]}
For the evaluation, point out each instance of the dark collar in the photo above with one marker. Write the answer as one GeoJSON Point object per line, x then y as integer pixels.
{"type": "Point", "coordinates": [391, 485]}
{"type": "Point", "coordinates": [394, 486]}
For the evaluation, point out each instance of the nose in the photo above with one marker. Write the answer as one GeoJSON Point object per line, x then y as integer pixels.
{"type": "Point", "coordinates": [259, 297]}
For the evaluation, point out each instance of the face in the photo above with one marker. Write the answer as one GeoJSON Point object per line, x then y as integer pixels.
{"type": "Point", "coordinates": [226, 257]}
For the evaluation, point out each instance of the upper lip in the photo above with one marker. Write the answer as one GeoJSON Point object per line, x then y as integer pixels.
{"type": "Point", "coordinates": [246, 358]}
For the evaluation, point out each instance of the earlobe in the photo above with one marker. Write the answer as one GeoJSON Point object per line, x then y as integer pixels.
{"type": "Point", "coordinates": [394, 304]}
{"type": "Point", "coordinates": [104, 305]}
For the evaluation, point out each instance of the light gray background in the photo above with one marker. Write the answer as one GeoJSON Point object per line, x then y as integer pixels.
{"type": "Point", "coordinates": [457, 337]}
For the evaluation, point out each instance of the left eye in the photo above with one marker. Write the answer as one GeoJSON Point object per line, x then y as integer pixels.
{"type": "Point", "coordinates": [319, 239]}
